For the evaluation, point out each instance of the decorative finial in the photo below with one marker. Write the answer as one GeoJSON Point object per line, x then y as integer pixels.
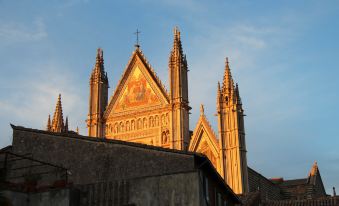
{"type": "Point", "coordinates": [176, 31]}
{"type": "Point", "coordinates": [77, 130]}
{"type": "Point", "coordinates": [202, 110]}
{"type": "Point", "coordinates": [137, 35]}
{"type": "Point", "coordinates": [227, 61]}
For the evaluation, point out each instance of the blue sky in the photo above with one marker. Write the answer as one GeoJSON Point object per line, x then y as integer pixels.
{"type": "Point", "coordinates": [283, 55]}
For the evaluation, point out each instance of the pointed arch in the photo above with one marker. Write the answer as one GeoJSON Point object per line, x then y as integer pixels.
{"type": "Point", "coordinates": [204, 141]}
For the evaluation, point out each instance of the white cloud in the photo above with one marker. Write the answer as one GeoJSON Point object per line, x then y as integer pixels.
{"type": "Point", "coordinates": [19, 32]}
{"type": "Point", "coordinates": [30, 100]}
{"type": "Point", "coordinates": [243, 44]}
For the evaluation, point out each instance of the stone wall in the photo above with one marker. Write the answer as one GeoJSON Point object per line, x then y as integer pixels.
{"type": "Point", "coordinates": [171, 190]}
{"type": "Point", "coordinates": [60, 197]}
{"type": "Point", "coordinates": [92, 160]}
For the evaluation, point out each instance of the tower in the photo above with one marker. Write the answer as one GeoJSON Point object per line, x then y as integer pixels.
{"type": "Point", "coordinates": [97, 98]}
{"type": "Point", "coordinates": [179, 94]}
{"type": "Point", "coordinates": [232, 134]}
{"type": "Point", "coordinates": [57, 124]}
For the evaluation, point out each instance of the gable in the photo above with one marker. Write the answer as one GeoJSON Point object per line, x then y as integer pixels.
{"type": "Point", "coordinates": [137, 93]}
{"type": "Point", "coordinates": [204, 141]}
{"type": "Point", "coordinates": [138, 89]}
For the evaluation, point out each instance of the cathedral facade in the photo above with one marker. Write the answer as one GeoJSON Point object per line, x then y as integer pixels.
{"type": "Point", "coordinates": [141, 110]}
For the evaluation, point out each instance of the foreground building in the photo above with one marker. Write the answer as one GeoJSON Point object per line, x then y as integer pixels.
{"type": "Point", "coordinates": [69, 169]}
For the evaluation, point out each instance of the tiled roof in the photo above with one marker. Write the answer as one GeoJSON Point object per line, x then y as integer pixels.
{"type": "Point", "coordinates": [326, 201]}
{"type": "Point", "coordinates": [287, 183]}
{"type": "Point", "coordinates": [250, 198]}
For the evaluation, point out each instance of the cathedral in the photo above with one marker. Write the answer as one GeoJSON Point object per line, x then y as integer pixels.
{"type": "Point", "coordinates": [141, 110]}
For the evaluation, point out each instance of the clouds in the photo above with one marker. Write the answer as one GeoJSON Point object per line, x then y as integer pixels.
{"type": "Point", "coordinates": [15, 32]}
{"type": "Point", "coordinates": [245, 45]}
{"type": "Point", "coordinates": [27, 101]}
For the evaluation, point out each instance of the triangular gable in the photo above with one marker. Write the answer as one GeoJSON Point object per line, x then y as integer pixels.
{"type": "Point", "coordinates": [138, 88]}
{"type": "Point", "coordinates": [204, 140]}
{"type": "Point", "coordinates": [314, 178]}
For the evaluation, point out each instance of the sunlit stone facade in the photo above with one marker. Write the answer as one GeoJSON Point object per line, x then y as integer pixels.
{"type": "Point", "coordinates": [141, 110]}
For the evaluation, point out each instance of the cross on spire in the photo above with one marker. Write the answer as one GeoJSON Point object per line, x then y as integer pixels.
{"type": "Point", "coordinates": [137, 34]}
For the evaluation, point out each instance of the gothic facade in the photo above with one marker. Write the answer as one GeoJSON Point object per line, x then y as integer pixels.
{"type": "Point", "coordinates": [141, 110]}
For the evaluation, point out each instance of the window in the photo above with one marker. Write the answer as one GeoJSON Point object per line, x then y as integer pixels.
{"type": "Point", "coordinates": [205, 185]}
{"type": "Point", "coordinates": [219, 199]}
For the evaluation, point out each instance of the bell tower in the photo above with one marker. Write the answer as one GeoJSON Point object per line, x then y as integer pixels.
{"type": "Point", "coordinates": [97, 98]}
{"type": "Point", "coordinates": [179, 95]}
{"type": "Point", "coordinates": [232, 134]}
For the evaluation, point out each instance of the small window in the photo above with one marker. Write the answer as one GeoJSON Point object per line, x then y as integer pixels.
{"type": "Point", "coordinates": [205, 185]}
{"type": "Point", "coordinates": [219, 199]}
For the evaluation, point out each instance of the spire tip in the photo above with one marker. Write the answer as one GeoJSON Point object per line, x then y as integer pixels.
{"type": "Point", "coordinates": [202, 109]}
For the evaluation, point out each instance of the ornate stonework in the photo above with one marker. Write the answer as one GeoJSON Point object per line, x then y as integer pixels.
{"type": "Point", "coordinates": [142, 111]}
{"type": "Point", "coordinates": [138, 93]}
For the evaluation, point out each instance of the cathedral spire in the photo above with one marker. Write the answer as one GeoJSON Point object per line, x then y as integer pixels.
{"type": "Point", "coordinates": [58, 121]}
{"type": "Point", "coordinates": [228, 84]}
{"type": "Point", "coordinates": [98, 73]}
{"type": "Point", "coordinates": [232, 134]}
{"type": "Point", "coordinates": [179, 94]}
{"type": "Point", "coordinates": [177, 56]}
{"type": "Point", "coordinates": [98, 97]}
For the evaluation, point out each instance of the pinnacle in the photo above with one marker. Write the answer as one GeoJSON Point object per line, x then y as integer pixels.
{"type": "Point", "coordinates": [202, 110]}
{"type": "Point", "coordinates": [98, 72]}
{"type": "Point", "coordinates": [58, 121]}
{"type": "Point", "coordinates": [176, 32]}
{"type": "Point", "coordinates": [228, 84]}
{"type": "Point", "coordinates": [314, 169]}
{"type": "Point", "coordinates": [177, 56]}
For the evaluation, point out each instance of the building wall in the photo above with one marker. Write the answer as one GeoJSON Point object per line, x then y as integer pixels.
{"type": "Point", "coordinates": [91, 160]}
{"type": "Point", "coordinates": [212, 192]}
{"type": "Point", "coordinates": [171, 190]}
{"type": "Point", "coordinates": [187, 189]}
{"type": "Point", "coordinates": [60, 197]}
{"type": "Point", "coordinates": [120, 173]}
